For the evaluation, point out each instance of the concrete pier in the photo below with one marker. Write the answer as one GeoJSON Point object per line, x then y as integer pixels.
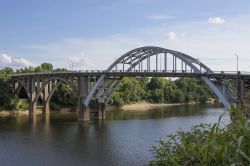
{"type": "Point", "coordinates": [84, 114]}
{"type": "Point", "coordinates": [100, 112]}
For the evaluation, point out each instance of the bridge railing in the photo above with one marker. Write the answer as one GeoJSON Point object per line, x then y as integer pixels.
{"type": "Point", "coordinates": [132, 71]}
{"type": "Point", "coordinates": [105, 71]}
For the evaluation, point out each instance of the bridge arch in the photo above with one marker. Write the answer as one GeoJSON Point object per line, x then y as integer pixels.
{"type": "Point", "coordinates": [49, 86]}
{"type": "Point", "coordinates": [57, 82]}
{"type": "Point", "coordinates": [17, 88]}
{"type": "Point", "coordinates": [136, 59]}
{"type": "Point", "coordinates": [43, 87]}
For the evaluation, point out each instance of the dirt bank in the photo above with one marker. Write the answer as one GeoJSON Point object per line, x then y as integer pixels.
{"type": "Point", "coordinates": [146, 106]}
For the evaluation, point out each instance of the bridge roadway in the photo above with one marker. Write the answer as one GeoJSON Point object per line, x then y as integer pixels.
{"type": "Point", "coordinates": [217, 75]}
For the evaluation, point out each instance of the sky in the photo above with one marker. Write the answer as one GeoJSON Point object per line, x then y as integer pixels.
{"type": "Point", "coordinates": [91, 34]}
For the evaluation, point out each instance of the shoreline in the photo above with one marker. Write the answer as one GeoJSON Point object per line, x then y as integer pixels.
{"type": "Point", "coordinates": [143, 106]}
{"type": "Point", "coordinates": [140, 106]}
{"type": "Point", "coordinates": [5, 113]}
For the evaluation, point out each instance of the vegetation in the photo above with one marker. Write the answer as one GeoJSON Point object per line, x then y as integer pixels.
{"type": "Point", "coordinates": [63, 97]}
{"type": "Point", "coordinates": [7, 100]}
{"type": "Point", "coordinates": [207, 145]}
{"type": "Point", "coordinates": [160, 90]}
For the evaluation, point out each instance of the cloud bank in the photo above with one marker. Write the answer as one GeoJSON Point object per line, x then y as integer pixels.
{"type": "Point", "coordinates": [6, 61]}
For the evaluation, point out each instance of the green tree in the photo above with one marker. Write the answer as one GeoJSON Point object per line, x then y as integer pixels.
{"type": "Point", "coordinates": [156, 96]}
{"type": "Point", "coordinates": [156, 83]}
{"type": "Point", "coordinates": [46, 67]}
{"type": "Point", "coordinates": [5, 89]}
{"type": "Point", "coordinates": [116, 99]}
{"type": "Point", "coordinates": [63, 96]}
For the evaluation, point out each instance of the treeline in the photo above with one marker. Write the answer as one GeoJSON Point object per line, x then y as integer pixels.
{"type": "Point", "coordinates": [131, 90]}
{"type": "Point", "coordinates": [161, 90]}
{"type": "Point", "coordinates": [7, 100]}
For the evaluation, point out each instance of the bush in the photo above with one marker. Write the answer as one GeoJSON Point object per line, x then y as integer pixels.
{"type": "Point", "coordinates": [207, 145]}
{"type": "Point", "coordinates": [55, 107]}
{"type": "Point", "coordinates": [117, 100]}
{"type": "Point", "coordinates": [22, 105]}
{"type": "Point", "coordinates": [156, 96]}
{"type": "Point", "coordinates": [18, 104]}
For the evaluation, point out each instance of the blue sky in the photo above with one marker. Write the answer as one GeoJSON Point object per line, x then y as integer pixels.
{"type": "Point", "coordinates": [93, 33]}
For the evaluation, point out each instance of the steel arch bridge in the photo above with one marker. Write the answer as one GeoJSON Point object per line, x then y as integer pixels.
{"type": "Point", "coordinates": [148, 61]}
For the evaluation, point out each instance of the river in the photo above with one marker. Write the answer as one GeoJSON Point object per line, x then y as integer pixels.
{"type": "Point", "coordinates": [124, 138]}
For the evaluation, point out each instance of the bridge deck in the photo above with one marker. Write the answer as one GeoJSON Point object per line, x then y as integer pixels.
{"type": "Point", "coordinates": [162, 73]}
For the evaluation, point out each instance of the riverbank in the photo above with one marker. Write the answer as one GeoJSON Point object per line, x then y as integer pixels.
{"type": "Point", "coordinates": [143, 106]}
{"type": "Point", "coordinates": [140, 106]}
{"type": "Point", "coordinates": [10, 113]}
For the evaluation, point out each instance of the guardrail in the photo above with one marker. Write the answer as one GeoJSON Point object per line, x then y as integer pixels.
{"type": "Point", "coordinates": [133, 71]}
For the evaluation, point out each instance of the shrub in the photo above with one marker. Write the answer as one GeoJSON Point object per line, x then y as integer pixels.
{"type": "Point", "coordinates": [207, 145]}
{"type": "Point", "coordinates": [55, 107]}
{"type": "Point", "coordinates": [22, 105]}
{"type": "Point", "coordinates": [117, 100]}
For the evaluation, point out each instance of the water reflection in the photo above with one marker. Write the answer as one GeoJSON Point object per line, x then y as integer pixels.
{"type": "Point", "coordinates": [163, 112]}
{"type": "Point", "coordinates": [124, 138]}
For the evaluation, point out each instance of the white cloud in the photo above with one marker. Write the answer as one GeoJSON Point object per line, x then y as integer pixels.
{"type": "Point", "coordinates": [21, 62]}
{"type": "Point", "coordinates": [216, 20]}
{"type": "Point", "coordinates": [5, 59]}
{"type": "Point", "coordinates": [160, 17]}
{"type": "Point", "coordinates": [170, 35]}
{"type": "Point", "coordinates": [79, 62]}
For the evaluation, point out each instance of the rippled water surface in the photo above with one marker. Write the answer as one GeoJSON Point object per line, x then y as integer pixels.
{"type": "Point", "coordinates": [125, 138]}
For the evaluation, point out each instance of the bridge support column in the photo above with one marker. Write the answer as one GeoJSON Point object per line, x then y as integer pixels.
{"type": "Point", "coordinates": [83, 88]}
{"type": "Point", "coordinates": [240, 94]}
{"type": "Point", "coordinates": [46, 108]}
{"type": "Point", "coordinates": [32, 96]}
{"type": "Point", "coordinates": [246, 103]}
{"type": "Point", "coordinates": [32, 107]}
{"type": "Point", "coordinates": [15, 86]}
{"type": "Point", "coordinates": [101, 111]}
{"type": "Point", "coordinates": [84, 114]}
{"type": "Point", "coordinates": [45, 95]}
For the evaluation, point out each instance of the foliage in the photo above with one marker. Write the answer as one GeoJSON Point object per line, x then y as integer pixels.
{"type": "Point", "coordinates": [63, 96]}
{"type": "Point", "coordinates": [55, 107]}
{"type": "Point", "coordinates": [160, 90]}
{"type": "Point", "coordinates": [22, 104]}
{"type": "Point", "coordinates": [44, 67]}
{"type": "Point", "coordinates": [116, 99]}
{"type": "Point", "coordinates": [18, 104]}
{"type": "Point", "coordinates": [207, 145]}
{"type": "Point", "coordinates": [5, 88]}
